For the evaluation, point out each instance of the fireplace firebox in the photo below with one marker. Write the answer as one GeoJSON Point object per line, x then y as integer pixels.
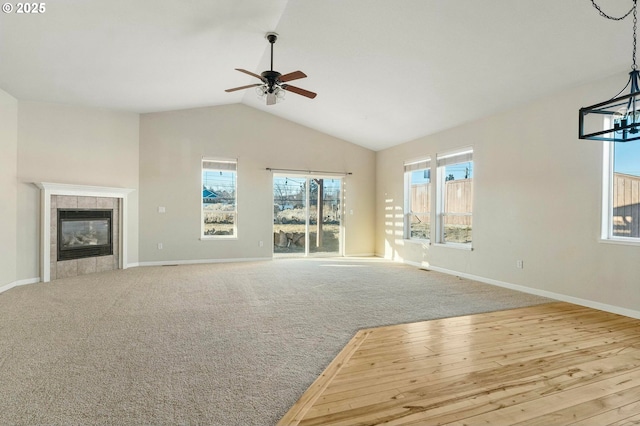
{"type": "Point", "coordinates": [84, 233]}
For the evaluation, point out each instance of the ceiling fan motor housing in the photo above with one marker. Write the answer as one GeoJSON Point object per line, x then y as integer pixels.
{"type": "Point", "coordinates": [271, 78]}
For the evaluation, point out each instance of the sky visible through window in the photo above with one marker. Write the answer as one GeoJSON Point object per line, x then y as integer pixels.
{"type": "Point", "coordinates": [216, 180]}
{"type": "Point", "coordinates": [627, 158]}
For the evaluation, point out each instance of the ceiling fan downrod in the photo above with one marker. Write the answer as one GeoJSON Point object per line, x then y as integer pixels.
{"type": "Point", "coordinates": [271, 76]}
{"type": "Point", "coordinates": [272, 37]}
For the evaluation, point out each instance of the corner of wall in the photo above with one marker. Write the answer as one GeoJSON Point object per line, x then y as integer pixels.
{"type": "Point", "coordinates": [8, 188]}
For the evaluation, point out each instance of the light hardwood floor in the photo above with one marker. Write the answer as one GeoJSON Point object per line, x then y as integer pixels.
{"type": "Point", "coordinates": [552, 364]}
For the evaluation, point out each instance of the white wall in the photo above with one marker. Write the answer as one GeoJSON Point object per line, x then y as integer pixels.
{"type": "Point", "coordinates": [172, 145]}
{"type": "Point", "coordinates": [537, 198]}
{"type": "Point", "coordinates": [537, 188]}
{"type": "Point", "coordinates": [75, 145]}
{"type": "Point", "coordinates": [8, 187]}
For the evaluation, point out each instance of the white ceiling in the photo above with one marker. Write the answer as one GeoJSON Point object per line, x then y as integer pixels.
{"type": "Point", "coordinates": [386, 72]}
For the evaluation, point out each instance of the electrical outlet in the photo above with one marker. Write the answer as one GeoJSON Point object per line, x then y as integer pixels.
{"type": "Point", "coordinates": [260, 244]}
{"type": "Point", "coordinates": [519, 264]}
{"type": "Point", "coordinates": [159, 246]}
{"type": "Point", "coordinates": [161, 209]}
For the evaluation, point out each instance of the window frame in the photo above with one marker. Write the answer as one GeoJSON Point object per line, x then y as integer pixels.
{"type": "Point", "coordinates": [232, 167]}
{"type": "Point", "coordinates": [608, 170]}
{"type": "Point", "coordinates": [411, 166]}
{"type": "Point", "coordinates": [441, 193]}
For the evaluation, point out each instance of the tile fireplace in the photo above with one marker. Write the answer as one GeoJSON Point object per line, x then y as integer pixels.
{"type": "Point", "coordinates": [83, 229]}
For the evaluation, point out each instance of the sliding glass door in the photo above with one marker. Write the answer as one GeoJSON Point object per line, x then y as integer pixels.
{"type": "Point", "coordinates": [306, 215]}
{"type": "Point", "coordinates": [289, 215]}
{"type": "Point", "coordinates": [324, 216]}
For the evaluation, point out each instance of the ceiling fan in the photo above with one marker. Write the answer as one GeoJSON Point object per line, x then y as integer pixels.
{"type": "Point", "coordinates": [273, 83]}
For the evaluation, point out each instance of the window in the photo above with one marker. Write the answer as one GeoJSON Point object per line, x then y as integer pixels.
{"type": "Point", "coordinates": [455, 197]}
{"type": "Point", "coordinates": [219, 211]}
{"type": "Point", "coordinates": [417, 216]}
{"type": "Point", "coordinates": [621, 200]}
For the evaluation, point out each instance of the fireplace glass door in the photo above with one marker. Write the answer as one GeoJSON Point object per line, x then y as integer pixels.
{"type": "Point", "coordinates": [84, 233]}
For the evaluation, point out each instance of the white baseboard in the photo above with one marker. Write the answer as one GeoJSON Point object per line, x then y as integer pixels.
{"type": "Point", "coordinates": [19, 283]}
{"type": "Point", "coordinates": [200, 261]}
{"type": "Point", "coordinates": [544, 293]}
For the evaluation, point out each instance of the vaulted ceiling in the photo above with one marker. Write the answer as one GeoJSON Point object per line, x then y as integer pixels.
{"type": "Point", "coordinates": [386, 72]}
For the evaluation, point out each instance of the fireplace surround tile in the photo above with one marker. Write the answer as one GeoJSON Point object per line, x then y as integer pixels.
{"type": "Point", "coordinates": [67, 269]}
{"type": "Point", "coordinates": [72, 268]}
{"type": "Point", "coordinates": [106, 203]}
{"type": "Point", "coordinates": [54, 268]}
{"type": "Point", "coordinates": [87, 202]}
{"type": "Point", "coordinates": [116, 226]}
{"type": "Point", "coordinates": [67, 202]}
{"type": "Point", "coordinates": [86, 266]}
{"type": "Point", "coordinates": [105, 263]}
{"type": "Point", "coordinates": [54, 227]}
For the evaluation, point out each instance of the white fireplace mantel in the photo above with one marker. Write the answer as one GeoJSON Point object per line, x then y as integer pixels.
{"type": "Point", "coordinates": [48, 189]}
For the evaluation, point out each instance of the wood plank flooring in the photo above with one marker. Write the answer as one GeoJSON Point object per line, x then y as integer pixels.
{"type": "Point", "coordinates": [552, 364]}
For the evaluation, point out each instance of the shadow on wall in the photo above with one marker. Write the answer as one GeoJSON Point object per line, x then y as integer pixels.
{"type": "Point", "coordinates": [393, 228]}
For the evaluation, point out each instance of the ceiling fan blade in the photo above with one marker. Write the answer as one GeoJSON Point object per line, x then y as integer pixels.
{"type": "Point", "coordinates": [271, 98]}
{"type": "Point", "coordinates": [292, 76]}
{"type": "Point", "coordinates": [243, 87]}
{"type": "Point", "coordinates": [250, 73]}
{"type": "Point", "coordinates": [299, 91]}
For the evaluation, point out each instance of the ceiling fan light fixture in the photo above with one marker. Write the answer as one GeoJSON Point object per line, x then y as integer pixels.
{"type": "Point", "coordinates": [261, 91]}
{"type": "Point", "coordinates": [278, 93]}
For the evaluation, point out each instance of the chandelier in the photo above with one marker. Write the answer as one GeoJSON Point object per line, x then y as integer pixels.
{"type": "Point", "coordinates": [618, 119]}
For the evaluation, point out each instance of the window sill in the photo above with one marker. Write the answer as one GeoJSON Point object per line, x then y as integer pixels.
{"type": "Point", "coordinates": [417, 241]}
{"type": "Point", "coordinates": [455, 246]}
{"type": "Point", "coordinates": [218, 237]}
{"type": "Point", "coordinates": [621, 241]}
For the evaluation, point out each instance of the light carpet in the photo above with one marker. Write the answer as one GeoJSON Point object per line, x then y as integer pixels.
{"type": "Point", "coordinates": [209, 344]}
